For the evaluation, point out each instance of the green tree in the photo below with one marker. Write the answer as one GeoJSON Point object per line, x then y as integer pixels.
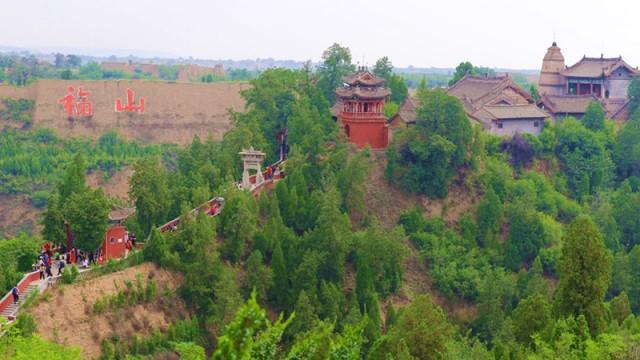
{"type": "Point", "coordinates": [626, 205]}
{"type": "Point", "coordinates": [585, 273]}
{"type": "Point", "coordinates": [620, 307]}
{"type": "Point", "coordinates": [526, 236]}
{"type": "Point", "coordinates": [251, 335]}
{"type": "Point", "coordinates": [306, 316]}
{"type": "Point", "coordinates": [53, 221]}
{"type": "Point", "coordinates": [331, 236]}
{"type": "Point", "coordinates": [464, 68]}
{"type": "Point", "coordinates": [582, 156]}
{"type": "Point", "coordinates": [626, 150]}
{"type": "Point", "coordinates": [336, 63]}
{"type": "Point", "coordinates": [489, 217]}
{"type": "Point", "coordinates": [383, 268]}
{"type": "Point", "coordinates": [238, 224]}
{"type": "Point", "coordinates": [631, 277]}
{"type": "Point", "coordinates": [633, 93]}
{"type": "Point", "coordinates": [148, 187]}
{"type": "Point", "coordinates": [74, 179]}
{"type": "Point", "coordinates": [87, 213]}
{"type": "Point", "coordinates": [533, 91]}
{"type": "Point", "coordinates": [398, 87]}
{"type": "Point", "coordinates": [91, 71]}
{"type": "Point", "coordinates": [259, 276]}
{"type": "Point", "coordinates": [531, 315]}
{"type": "Point", "coordinates": [422, 327]}
{"type": "Point", "coordinates": [594, 116]}
{"type": "Point", "coordinates": [390, 109]}
{"type": "Point", "coordinates": [391, 316]}
{"type": "Point", "coordinates": [280, 288]}
{"type": "Point", "coordinates": [383, 67]}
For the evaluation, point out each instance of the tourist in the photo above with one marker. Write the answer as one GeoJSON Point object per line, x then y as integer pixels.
{"type": "Point", "coordinates": [48, 269]}
{"type": "Point", "coordinates": [15, 293]}
{"type": "Point", "coordinates": [61, 265]}
{"type": "Point", "coordinates": [41, 268]}
{"type": "Point", "coordinates": [127, 248]}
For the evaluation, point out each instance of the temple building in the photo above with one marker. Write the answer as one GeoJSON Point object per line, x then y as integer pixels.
{"type": "Point", "coordinates": [498, 104]}
{"type": "Point", "coordinates": [359, 109]}
{"type": "Point", "coordinates": [501, 106]}
{"type": "Point", "coordinates": [567, 90]}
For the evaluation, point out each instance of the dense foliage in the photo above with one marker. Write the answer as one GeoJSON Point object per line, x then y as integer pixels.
{"type": "Point", "coordinates": [539, 259]}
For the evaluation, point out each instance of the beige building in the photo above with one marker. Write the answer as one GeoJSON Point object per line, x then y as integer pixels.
{"type": "Point", "coordinates": [497, 103]}
{"type": "Point", "coordinates": [568, 90]}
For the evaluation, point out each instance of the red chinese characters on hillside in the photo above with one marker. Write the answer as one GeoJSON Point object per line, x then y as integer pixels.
{"type": "Point", "coordinates": [130, 106]}
{"type": "Point", "coordinates": [78, 104]}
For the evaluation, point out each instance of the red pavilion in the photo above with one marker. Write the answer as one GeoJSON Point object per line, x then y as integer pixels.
{"type": "Point", "coordinates": [359, 109]}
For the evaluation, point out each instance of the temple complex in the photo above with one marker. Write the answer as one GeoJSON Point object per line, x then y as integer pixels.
{"type": "Point", "coordinates": [359, 109]}
{"type": "Point", "coordinates": [567, 90]}
{"type": "Point", "coordinates": [498, 104]}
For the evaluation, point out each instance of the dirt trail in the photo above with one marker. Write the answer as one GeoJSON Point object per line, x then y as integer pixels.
{"type": "Point", "coordinates": [67, 318]}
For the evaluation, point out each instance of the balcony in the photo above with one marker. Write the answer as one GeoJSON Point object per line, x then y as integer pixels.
{"type": "Point", "coordinates": [362, 115]}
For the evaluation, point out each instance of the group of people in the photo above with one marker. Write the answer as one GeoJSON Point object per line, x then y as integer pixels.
{"type": "Point", "coordinates": [62, 256]}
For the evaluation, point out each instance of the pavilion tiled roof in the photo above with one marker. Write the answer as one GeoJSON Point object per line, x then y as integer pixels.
{"type": "Point", "coordinates": [596, 67]}
{"type": "Point", "coordinates": [407, 111]}
{"type": "Point", "coordinates": [566, 104]}
{"type": "Point", "coordinates": [119, 213]}
{"type": "Point", "coordinates": [476, 91]}
{"type": "Point", "coordinates": [363, 93]}
{"type": "Point", "coordinates": [506, 112]}
{"type": "Point", "coordinates": [363, 77]}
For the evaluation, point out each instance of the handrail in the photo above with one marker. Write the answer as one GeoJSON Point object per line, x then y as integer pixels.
{"type": "Point", "coordinates": [22, 285]}
{"type": "Point", "coordinates": [362, 114]}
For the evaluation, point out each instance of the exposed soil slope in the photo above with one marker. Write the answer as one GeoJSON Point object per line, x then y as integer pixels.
{"type": "Point", "coordinates": [386, 203]}
{"type": "Point", "coordinates": [18, 214]}
{"type": "Point", "coordinates": [67, 316]}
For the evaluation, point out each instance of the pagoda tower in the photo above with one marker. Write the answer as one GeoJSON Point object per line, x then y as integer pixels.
{"type": "Point", "coordinates": [551, 81]}
{"type": "Point", "coordinates": [361, 115]}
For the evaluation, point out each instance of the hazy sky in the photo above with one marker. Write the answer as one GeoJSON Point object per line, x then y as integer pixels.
{"type": "Point", "coordinates": [496, 33]}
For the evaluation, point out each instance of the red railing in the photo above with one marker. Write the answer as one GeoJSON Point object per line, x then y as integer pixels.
{"type": "Point", "coordinates": [362, 115]}
{"type": "Point", "coordinates": [7, 300]}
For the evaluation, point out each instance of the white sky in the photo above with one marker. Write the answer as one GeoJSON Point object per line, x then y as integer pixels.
{"type": "Point", "coordinates": [440, 33]}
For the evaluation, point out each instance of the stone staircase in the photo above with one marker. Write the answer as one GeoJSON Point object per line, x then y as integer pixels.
{"type": "Point", "coordinates": [12, 310]}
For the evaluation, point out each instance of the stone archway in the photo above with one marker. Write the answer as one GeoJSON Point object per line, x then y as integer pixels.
{"type": "Point", "coordinates": [252, 160]}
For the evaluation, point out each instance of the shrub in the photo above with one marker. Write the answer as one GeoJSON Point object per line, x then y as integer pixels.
{"type": "Point", "coordinates": [69, 275]}
{"type": "Point", "coordinates": [39, 199]}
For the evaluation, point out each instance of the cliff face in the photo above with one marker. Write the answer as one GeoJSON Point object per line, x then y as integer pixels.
{"type": "Point", "coordinates": [173, 112]}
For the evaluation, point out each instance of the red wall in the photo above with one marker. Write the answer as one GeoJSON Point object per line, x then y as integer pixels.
{"type": "Point", "coordinates": [376, 134]}
{"type": "Point", "coordinates": [117, 247]}
{"type": "Point", "coordinates": [22, 286]}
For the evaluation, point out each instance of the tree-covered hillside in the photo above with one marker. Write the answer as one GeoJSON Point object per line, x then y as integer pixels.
{"type": "Point", "coordinates": [546, 261]}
